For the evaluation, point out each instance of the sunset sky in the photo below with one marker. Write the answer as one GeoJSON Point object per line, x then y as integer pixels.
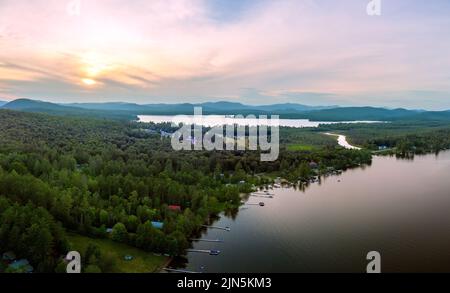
{"type": "Point", "coordinates": [317, 52]}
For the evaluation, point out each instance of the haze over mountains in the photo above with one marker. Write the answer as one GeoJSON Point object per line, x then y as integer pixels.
{"type": "Point", "coordinates": [220, 107]}
{"type": "Point", "coordinates": [119, 110]}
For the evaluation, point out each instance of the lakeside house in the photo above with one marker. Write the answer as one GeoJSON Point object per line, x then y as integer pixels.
{"type": "Point", "coordinates": [157, 225]}
{"type": "Point", "coordinates": [175, 208]}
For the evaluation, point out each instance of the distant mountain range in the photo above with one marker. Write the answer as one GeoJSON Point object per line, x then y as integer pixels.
{"type": "Point", "coordinates": [129, 111]}
{"type": "Point", "coordinates": [2, 103]}
{"type": "Point", "coordinates": [185, 108]}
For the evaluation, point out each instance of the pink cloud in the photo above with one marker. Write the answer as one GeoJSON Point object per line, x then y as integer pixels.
{"type": "Point", "coordinates": [175, 48]}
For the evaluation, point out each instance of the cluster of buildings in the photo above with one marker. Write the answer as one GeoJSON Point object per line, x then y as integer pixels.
{"type": "Point", "coordinates": [163, 133]}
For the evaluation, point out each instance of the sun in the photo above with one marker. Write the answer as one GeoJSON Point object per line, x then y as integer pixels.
{"type": "Point", "coordinates": [88, 81]}
{"type": "Point", "coordinates": [95, 64]}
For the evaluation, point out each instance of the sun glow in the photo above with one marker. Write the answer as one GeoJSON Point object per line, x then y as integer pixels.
{"type": "Point", "coordinates": [95, 64]}
{"type": "Point", "coordinates": [88, 81]}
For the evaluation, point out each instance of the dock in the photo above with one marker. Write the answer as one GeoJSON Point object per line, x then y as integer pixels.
{"type": "Point", "coordinates": [217, 227]}
{"type": "Point", "coordinates": [263, 193]}
{"type": "Point", "coordinates": [260, 195]}
{"type": "Point", "coordinates": [180, 271]}
{"type": "Point", "coordinates": [256, 204]}
{"type": "Point", "coordinates": [207, 240]}
{"type": "Point", "coordinates": [210, 252]}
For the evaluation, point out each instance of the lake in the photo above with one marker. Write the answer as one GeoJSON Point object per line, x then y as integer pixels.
{"type": "Point", "coordinates": [215, 120]}
{"type": "Point", "coordinates": [400, 208]}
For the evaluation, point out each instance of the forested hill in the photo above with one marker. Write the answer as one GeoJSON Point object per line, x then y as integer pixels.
{"type": "Point", "coordinates": [34, 106]}
{"type": "Point", "coordinates": [129, 111]}
{"type": "Point", "coordinates": [376, 114]}
{"type": "Point", "coordinates": [361, 113]}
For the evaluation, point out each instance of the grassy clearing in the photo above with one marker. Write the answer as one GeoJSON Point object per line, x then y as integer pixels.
{"type": "Point", "coordinates": [143, 262]}
{"type": "Point", "coordinates": [300, 147]}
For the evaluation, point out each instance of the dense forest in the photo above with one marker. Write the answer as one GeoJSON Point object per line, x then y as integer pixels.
{"type": "Point", "coordinates": [112, 179]}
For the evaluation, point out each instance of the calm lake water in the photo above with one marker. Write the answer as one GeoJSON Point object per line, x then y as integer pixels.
{"type": "Point", "coordinates": [215, 120]}
{"type": "Point", "coordinates": [400, 208]}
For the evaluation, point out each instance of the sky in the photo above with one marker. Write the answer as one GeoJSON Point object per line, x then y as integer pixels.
{"type": "Point", "coordinates": [315, 52]}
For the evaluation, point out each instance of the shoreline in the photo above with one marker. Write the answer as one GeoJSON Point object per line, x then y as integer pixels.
{"type": "Point", "coordinates": [165, 265]}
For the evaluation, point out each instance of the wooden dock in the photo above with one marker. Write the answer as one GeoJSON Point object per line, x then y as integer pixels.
{"type": "Point", "coordinates": [210, 252]}
{"type": "Point", "coordinates": [262, 196]}
{"type": "Point", "coordinates": [207, 240]}
{"type": "Point", "coordinates": [263, 193]}
{"type": "Point", "coordinates": [198, 250]}
{"type": "Point", "coordinates": [217, 227]}
{"type": "Point", "coordinates": [255, 204]}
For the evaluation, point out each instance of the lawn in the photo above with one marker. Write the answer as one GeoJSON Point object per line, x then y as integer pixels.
{"type": "Point", "coordinates": [143, 262]}
{"type": "Point", "coordinates": [300, 147]}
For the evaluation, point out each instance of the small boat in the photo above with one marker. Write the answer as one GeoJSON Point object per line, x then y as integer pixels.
{"type": "Point", "coordinates": [262, 204]}
{"type": "Point", "coordinates": [214, 252]}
